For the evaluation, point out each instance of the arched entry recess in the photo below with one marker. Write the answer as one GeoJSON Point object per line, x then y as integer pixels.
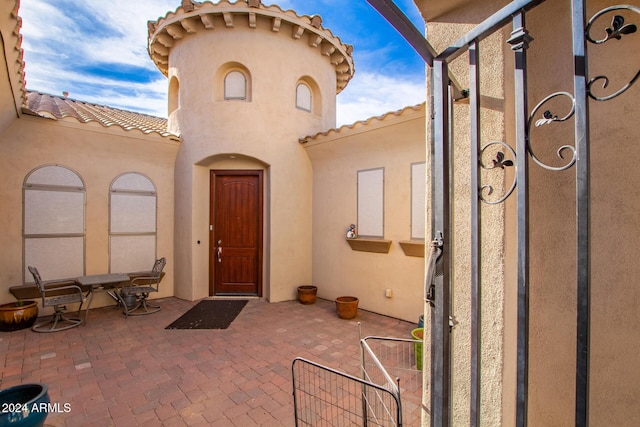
{"type": "Point", "coordinates": [232, 200]}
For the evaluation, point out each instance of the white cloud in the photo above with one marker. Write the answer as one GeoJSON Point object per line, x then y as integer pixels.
{"type": "Point", "coordinates": [369, 94]}
{"type": "Point", "coordinates": [129, 22]}
{"type": "Point", "coordinates": [42, 20]}
{"type": "Point", "coordinates": [53, 24]}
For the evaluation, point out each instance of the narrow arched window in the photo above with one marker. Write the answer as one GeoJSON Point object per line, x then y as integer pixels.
{"type": "Point", "coordinates": [235, 85]}
{"type": "Point", "coordinates": [132, 223]}
{"type": "Point", "coordinates": [174, 95]}
{"type": "Point", "coordinates": [53, 223]}
{"type": "Point", "coordinates": [303, 97]}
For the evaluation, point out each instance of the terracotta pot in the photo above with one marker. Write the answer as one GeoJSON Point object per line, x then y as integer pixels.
{"type": "Point", "coordinates": [347, 307]}
{"type": "Point", "coordinates": [307, 294]}
{"type": "Point", "coordinates": [18, 315]}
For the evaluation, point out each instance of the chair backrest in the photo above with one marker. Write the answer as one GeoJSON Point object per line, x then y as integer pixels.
{"type": "Point", "coordinates": [37, 278]}
{"type": "Point", "coordinates": [158, 266]}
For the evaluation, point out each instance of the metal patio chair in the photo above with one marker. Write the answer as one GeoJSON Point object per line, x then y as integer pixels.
{"type": "Point", "coordinates": [135, 294]}
{"type": "Point", "coordinates": [56, 294]}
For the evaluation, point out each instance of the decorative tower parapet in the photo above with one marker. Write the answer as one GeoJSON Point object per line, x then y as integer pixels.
{"type": "Point", "coordinates": [193, 17]}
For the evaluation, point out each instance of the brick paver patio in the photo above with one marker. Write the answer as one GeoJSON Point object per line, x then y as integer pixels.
{"type": "Point", "coordinates": [133, 372]}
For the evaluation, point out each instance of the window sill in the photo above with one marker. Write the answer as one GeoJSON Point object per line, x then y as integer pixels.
{"type": "Point", "coordinates": [412, 248]}
{"type": "Point", "coordinates": [370, 245]}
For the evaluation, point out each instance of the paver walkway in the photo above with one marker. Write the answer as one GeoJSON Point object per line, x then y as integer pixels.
{"type": "Point", "coordinates": [132, 372]}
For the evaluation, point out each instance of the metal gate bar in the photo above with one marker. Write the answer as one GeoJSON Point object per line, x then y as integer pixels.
{"type": "Point", "coordinates": [581, 122]}
{"type": "Point", "coordinates": [476, 291]}
{"type": "Point", "coordinates": [519, 44]}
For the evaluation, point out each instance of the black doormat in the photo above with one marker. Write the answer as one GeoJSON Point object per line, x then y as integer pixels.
{"type": "Point", "coordinates": [210, 314]}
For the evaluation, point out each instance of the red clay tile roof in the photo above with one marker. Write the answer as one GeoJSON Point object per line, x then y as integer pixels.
{"type": "Point", "coordinates": [58, 108]}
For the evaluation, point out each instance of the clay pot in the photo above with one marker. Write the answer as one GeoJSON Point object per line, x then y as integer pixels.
{"type": "Point", "coordinates": [347, 307]}
{"type": "Point", "coordinates": [307, 294]}
{"type": "Point", "coordinates": [18, 315]}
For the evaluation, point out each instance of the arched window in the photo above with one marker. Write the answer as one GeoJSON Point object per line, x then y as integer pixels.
{"type": "Point", "coordinates": [53, 228]}
{"type": "Point", "coordinates": [303, 97]}
{"type": "Point", "coordinates": [235, 85]}
{"type": "Point", "coordinates": [174, 95]}
{"type": "Point", "coordinates": [132, 223]}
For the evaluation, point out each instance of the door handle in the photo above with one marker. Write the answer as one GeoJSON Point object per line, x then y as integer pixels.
{"type": "Point", "coordinates": [219, 252]}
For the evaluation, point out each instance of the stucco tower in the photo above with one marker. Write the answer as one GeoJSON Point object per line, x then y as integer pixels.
{"type": "Point", "coordinates": [246, 81]}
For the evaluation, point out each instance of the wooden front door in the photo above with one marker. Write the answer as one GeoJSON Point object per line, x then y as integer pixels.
{"type": "Point", "coordinates": [235, 249]}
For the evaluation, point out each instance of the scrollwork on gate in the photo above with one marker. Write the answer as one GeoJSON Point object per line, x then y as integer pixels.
{"type": "Point", "coordinates": [544, 115]}
{"type": "Point", "coordinates": [616, 31]}
{"type": "Point", "coordinates": [549, 118]}
{"type": "Point", "coordinates": [497, 160]}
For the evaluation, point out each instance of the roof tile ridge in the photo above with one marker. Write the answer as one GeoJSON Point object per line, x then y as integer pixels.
{"type": "Point", "coordinates": [112, 111]}
{"type": "Point", "coordinates": [84, 113]}
{"type": "Point", "coordinates": [108, 116]}
{"type": "Point", "coordinates": [59, 110]}
{"type": "Point", "coordinates": [135, 119]}
{"type": "Point", "coordinates": [32, 101]}
{"type": "Point", "coordinates": [364, 122]}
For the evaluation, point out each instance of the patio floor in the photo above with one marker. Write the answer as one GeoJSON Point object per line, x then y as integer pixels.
{"type": "Point", "coordinates": [116, 371]}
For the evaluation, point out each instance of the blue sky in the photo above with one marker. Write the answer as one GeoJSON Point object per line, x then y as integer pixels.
{"type": "Point", "coordinates": [96, 51]}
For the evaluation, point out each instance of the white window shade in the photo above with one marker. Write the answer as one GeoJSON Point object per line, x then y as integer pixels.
{"type": "Point", "coordinates": [418, 177]}
{"type": "Point", "coordinates": [132, 253]}
{"type": "Point", "coordinates": [132, 226]}
{"type": "Point", "coordinates": [235, 85]}
{"type": "Point", "coordinates": [54, 176]}
{"type": "Point", "coordinates": [55, 258]}
{"type": "Point", "coordinates": [133, 182]}
{"type": "Point", "coordinates": [53, 212]}
{"type": "Point", "coordinates": [53, 228]}
{"type": "Point", "coordinates": [131, 213]}
{"type": "Point", "coordinates": [303, 97]}
{"type": "Point", "coordinates": [371, 203]}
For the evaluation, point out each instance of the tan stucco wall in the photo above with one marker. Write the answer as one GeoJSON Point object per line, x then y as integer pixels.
{"type": "Point", "coordinates": [266, 128]}
{"type": "Point", "coordinates": [393, 144]}
{"type": "Point", "coordinates": [98, 155]}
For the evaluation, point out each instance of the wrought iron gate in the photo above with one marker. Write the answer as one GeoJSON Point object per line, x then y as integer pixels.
{"type": "Point", "coordinates": [444, 91]}
{"type": "Point", "coordinates": [326, 397]}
